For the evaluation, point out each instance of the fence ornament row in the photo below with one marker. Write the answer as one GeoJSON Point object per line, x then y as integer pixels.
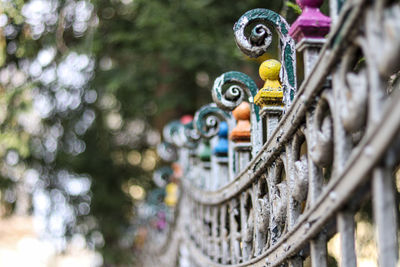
{"type": "Point", "coordinates": [269, 175]}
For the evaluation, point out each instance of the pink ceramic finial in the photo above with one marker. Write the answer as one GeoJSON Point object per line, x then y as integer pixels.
{"type": "Point", "coordinates": [311, 23]}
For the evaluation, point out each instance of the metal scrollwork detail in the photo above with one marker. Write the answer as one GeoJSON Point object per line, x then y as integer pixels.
{"type": "Point", "coordinates": [190, 135]}
{"type": "Point", "coordinates": [260, 39]}
{"type": "Point", "coordinates": [161, 176]}
{"type": "Point", "coordinates": [180, 135]}
{"type": "Point", "coordinates": [300, 185]}
{"type": "Point", "coordinates": [207, 118]}
{"type": "Point", "coordinates": [278, 211]}
{"type": "Point", "coordinates": [241, 85]}
{"type": "Point", "coordinates": [354, 98]}
{"type": "Point", "coordinates": [170, 132]}
{"type": "Point", "coordinates": [321, 142]}
{"type": "Point", "coordinates": [167, 152]}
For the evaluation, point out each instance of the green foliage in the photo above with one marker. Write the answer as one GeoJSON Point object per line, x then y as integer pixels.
{"type": "Point", "coordinates": [293, 6]}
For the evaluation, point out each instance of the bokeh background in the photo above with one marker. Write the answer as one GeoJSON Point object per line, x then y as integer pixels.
{"type": "Point", "coordinates": [85, 90]}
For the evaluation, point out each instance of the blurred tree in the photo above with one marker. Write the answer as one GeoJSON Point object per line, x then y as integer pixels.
{"type": "Point", "coordinates": [97, 81]}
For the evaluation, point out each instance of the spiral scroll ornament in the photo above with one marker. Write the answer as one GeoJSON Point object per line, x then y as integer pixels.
{"type": "Point", "coordinates": [207, 119]}
{"type": "Point", "coordinates": [162, 176]}
{"type": "Point", "coordinates": [181, 135]}
{"type": "Point", "coordinates": [170, 132]}
{"type": "Point", "coordinates": [167, 152]}
{"type": "Point", "coordinates": [240, 88]}
{"type": "Point", "coordinates": [258, 41]}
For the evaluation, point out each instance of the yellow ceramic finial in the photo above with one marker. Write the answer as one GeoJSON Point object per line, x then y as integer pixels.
{"type": "Point", "coordinates": [271, 94]}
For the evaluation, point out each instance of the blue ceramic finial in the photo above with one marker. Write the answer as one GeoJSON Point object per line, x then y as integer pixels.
{"type": "Point", "coordinates": [221, 149]}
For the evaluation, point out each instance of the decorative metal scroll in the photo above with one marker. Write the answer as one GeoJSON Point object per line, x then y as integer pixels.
{"type": "Point", "coordinates": [170, 132]}
{"type": "Point", "coordinates": [162, 175]}
{"type": "Point", "coordinates": [260, 39]}
{"type": "Point", "coordinates": [206, 121]}
{"type": "Point", "coordinates": [180, 135]}
{"type": "Point", "coordinates": [207, 118]}
{"type": "Point", "coordinates": [240, 88]}
{"type": "Point", "coordinates": [167, 152]}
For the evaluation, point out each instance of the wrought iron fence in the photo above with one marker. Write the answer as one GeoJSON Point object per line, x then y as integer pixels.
{"type": "Point", "coordinates": [268, 176]}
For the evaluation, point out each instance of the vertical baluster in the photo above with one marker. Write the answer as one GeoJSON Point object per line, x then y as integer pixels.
{"type": "Point", "coordinates": [214, 168]}
{"type": "Point", "coordinates": [293, 205]}
{"type": "Point", "coordinates": [183, 156]}
{"type": "Point", "coordinates": [346, 228]}
{"type": "Point", "coordinates": [201, 228]}
{"type": "Point", "coordinates": [204, 154]}
{"type": "Point", "coordinates": [205, 232]}
{"type": "Point", "coordinates": [216, 251]}
{"type": "Point", "coordinates": [256, 214]}
{"type": "Point", "coordinates": [273, 227]}
{"type": "Point", "coordinates": [308, 31]}
{"type": "Point", "coordinates": [315, 177]}
{"type": "Point", "coordinates": [208, 228]}
{"type": "Point", "coordinates": [197, 224]}
{"type": "Point", "coordinates": [341, 152]}
{"type": "Point", "coordinates": [384, 206]}
{"type": "Point", "coordinates": [224, 235]}
{"type": "Point", "coordinates": [184, 256]}
{"type": "Point", "coordinates": [193, 227]}
{"type": "Point", "coordinates": [261, 211]}
{"type": "Point", "coordinates": [240, 135]}
{"type": "Point", "coordinates": [233, 232]}
{"type": "Point", "coordinates": [247, 223]}
{"type": "Point", "coordinates": [277, 197]}
{"type": "Point", "coordinates": [243, 222]}
{"type": "Point", "coordinates": [220, 160]}
{"type": "Point", "coordinates": [318, 250]}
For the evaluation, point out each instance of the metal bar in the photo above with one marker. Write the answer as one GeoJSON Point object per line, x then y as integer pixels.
{"type": "Point", "coordinates": [384, 205]}
{"type": "Point", "coordinates": [346, 228]}
{"type": "Point", "coordinates": [234, 234]}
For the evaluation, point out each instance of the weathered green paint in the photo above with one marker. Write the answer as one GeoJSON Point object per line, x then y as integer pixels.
{"type": "Point", "coordinates": [203, 113]}
{"type": "Point", "coordinates": [255, 47]}
{"type": "Point", "coordinates": [244, 82]}
{"type": "Point", "coordinates": [241, 78]}
{"type": "Point", "coordinates": [264, 14]}
{"type": "Point", "coordinates": [288, 61]}
{"type": "Point", "coordinates": [340, 4]}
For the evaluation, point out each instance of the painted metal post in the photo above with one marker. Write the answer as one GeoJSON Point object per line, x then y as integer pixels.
{"type": "Point", "coordinates": [309, 31]}
{"type": "Point", "coordinates": [240, 135]}
{"type": "Point", "coordinates": [204, 153]}
{"type": "Point", "coordinates": [253, 36]}
{"type": "Point", "coordinates": [241, 88]}
{"type": "Point", "coordinates": [219, 161]}
{"type": "Point", "coordinates": [270, 96]}
{"type": "Point", "coordinates": [208, 122]}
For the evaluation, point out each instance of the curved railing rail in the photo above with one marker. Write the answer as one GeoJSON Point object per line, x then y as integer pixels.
{"type": "Point", "coordinates": [292, 176]}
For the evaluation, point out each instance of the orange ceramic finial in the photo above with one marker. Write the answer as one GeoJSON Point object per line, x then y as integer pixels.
{"type": "Point", "coordinates": [241, 133]}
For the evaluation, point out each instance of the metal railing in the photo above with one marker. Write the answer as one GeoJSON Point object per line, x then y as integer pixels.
{"type": "Point", "coordinates": [293, 174]}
